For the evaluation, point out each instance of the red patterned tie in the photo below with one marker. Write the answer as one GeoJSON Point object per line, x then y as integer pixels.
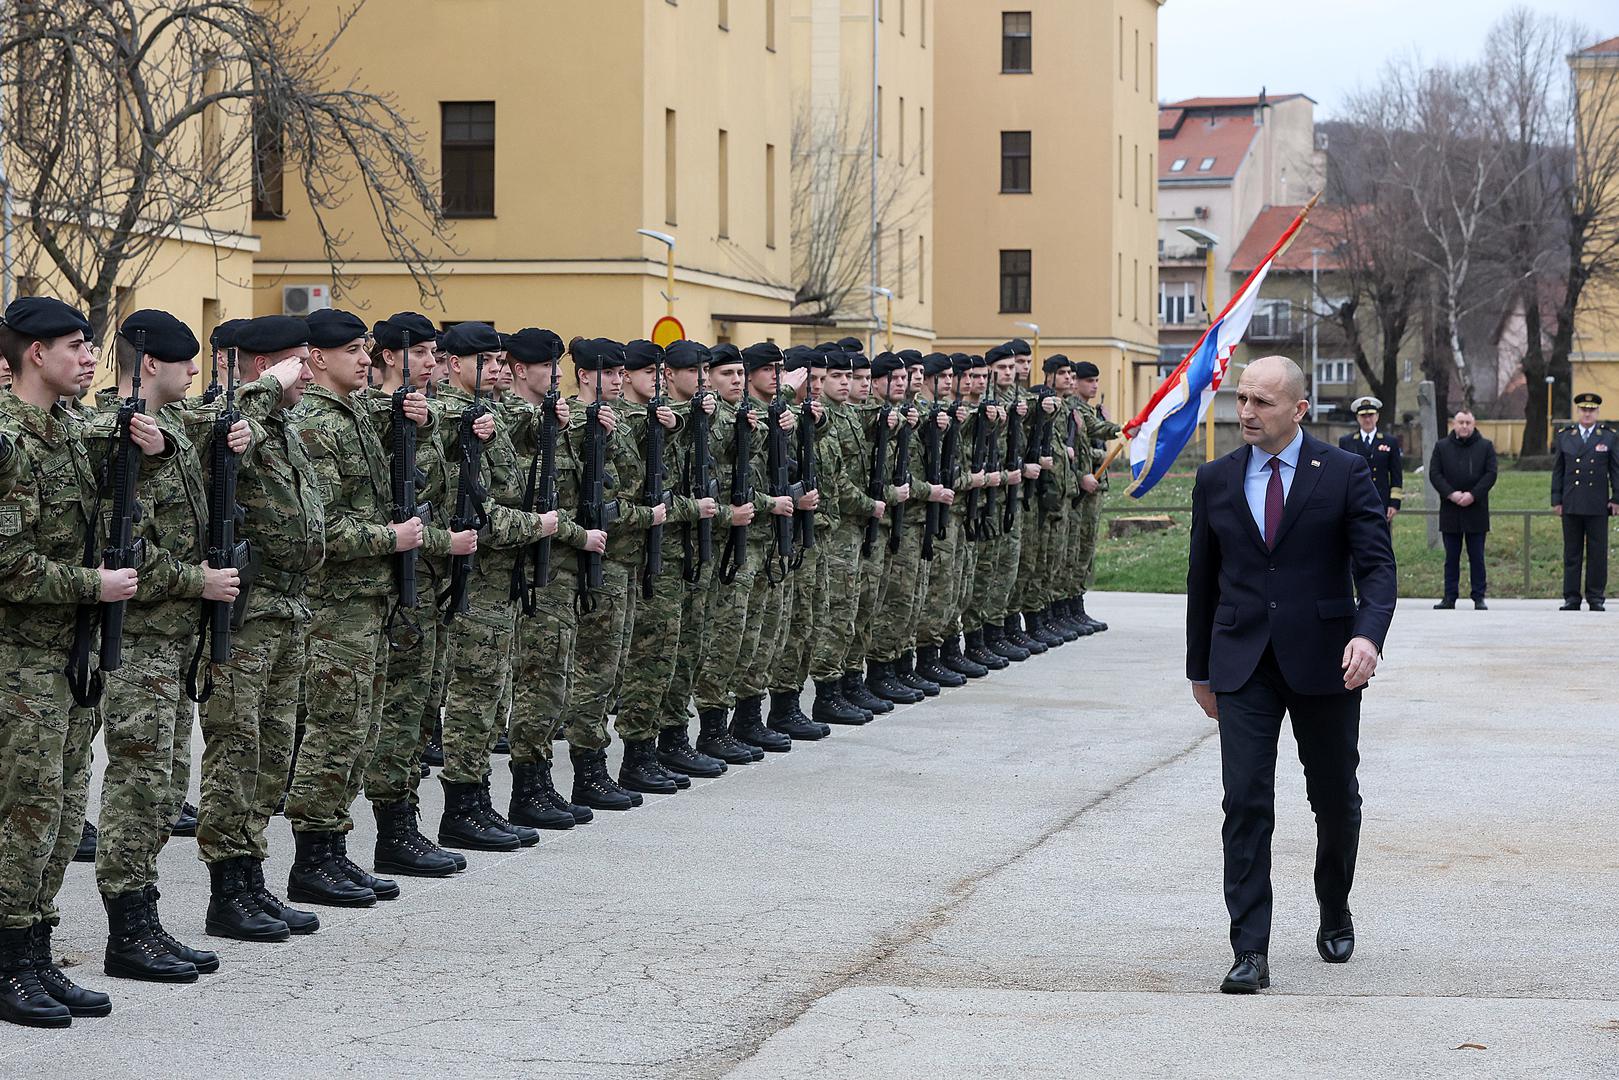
{"type": "Point", "coordinates": [1273, 502]}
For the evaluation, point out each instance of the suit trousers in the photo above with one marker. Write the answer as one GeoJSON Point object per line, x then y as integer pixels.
{"type": "Point", "coordinates": [1327, 728]}
{"type": "Point", "coordinates": [1587, 535]}
{"type": "Point", "coordinates": [1453, 563]}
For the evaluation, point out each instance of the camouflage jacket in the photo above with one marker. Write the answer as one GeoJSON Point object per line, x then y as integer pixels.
{"type": "Point", "coordinates": [682, 508]}
{"type": "Point", "coordinates": [284, 518]}
{"type": "Point", "coordinates": [337, 434]}
{"type": "Point", "coordinates": [847, 484]}
{"type": "Point", "coordinates": [523, 421]}
{"type": "Point", "coordinates": [435, 491]}
{"type": "Point", "coordinates": [509, 526]}
{"type": "Point", "coordinates": [1088, 429]}
{"type": "Point", "coordinates": [626, 537]}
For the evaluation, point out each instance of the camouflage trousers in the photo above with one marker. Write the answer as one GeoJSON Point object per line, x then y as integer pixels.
{"type": "Point", "coordinates": [809, 587]}
{"type": "Point", "coordinates": [480, 654]}
{"type": "Point", "coordinates": [936, 603]}
{"type": "Point", "coordinates": [988, 555]}
{"type": "Point", "coordinates": [44, 780]}
{"type": "Point", "coordinates": [721, 648]}
{"type": "Point", "coordinates": [344, 686]}
{"type": "Point", "coordinates": [838, 605]}
{"type": "Point", "coordinates": [677, 698]}
{"type": "Point", "coordinates": [407, 713]}
{"type": "Point", "coordinates": [542, 667]}
{"type": "Point", "coordinates": [873, 569]}
{"type": "Point", "coordinates": [143, 730]}
{"type": "Point", "coordinates": [1036, 572]}
{"type": "Point", "coordinates": [897, 596]}
{"type": "Point", "coordinates": [649, 665]}
{"type": "Point", "coordinates": [1090, 530]}
{"type": "Point", "coordinates": [247, 728]}
{"type": "Point", "coordinates": [598, 659]}
{"type": "Point", "coordinates": [769, 615]}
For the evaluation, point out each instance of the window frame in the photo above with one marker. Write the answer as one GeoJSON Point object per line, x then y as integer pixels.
{"type": "Point", "coordinates": [1010, 159]}
{"type": "Point", "coordinates": [470, 147]}
{"type": "Point", "coordinates": [1009, 278]}
{"type": "Point", "coordinates": [1015, 41]}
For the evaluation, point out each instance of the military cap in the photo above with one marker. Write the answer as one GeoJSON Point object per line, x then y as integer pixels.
{"type": "Point", "coordinates": [532, 345]}
{"type": "Point", "coordinates": [977, 361]}
{"type": "Point", "coordinates": [764, 354]}
{"type": "Point", "coordinates": [43, 318]}
{"type": "Point", "coordinates": [886, 364]}
{"type": "Point", "coordinates": [797, 356]}
{"type": "Point", "coordinates": [828, 346]}
{"type": "Point", "coordinates": [1588, 400]}
{"type": "Point", "coordinates": [331, 328]}
{"type": "Point", "coordinates": [1084, 369]}
{"type": "Point", "coordinates": [596, 354]}
{"type": "Point", "coordinates": [912, 357]}
{"type": "Point", "coordinates": [998, 353]}
{"type": "Point", "coordinates": [390, 332]}
{"type": "Point", "coordinates": [1056, 362]}
{"type": "Point", "coordinates": [960, 363]}
{"type": "Point", "coordinates": [835, 359]}
{"type": "Point", "coordinates": [723, 354]}
{"type": "Point", "coordinates": [858, 361]}
{"type": "Point", "coordinates": [469, 339]}
{"type": "Point", "coordinates": [1366, 404]}
{"type": "Point", "coordinates": [851, 345]}
{"type": "Point", "coordinates": [936, 364]}
{"type": "Point", "coordinates": [685, 355]}
{"type": "Point", "coordinates": [224, 335]}
{"type": "Point", "coordinates": [641, 353]}
{"type": "Point", "coordinates": [270, 334]}
{"type": "Point", "coordinates": [166, 338]}
{"type": "Point", "coordinates": [815, 359]}
{"type": "Point", "coordinates": [1019, 347]}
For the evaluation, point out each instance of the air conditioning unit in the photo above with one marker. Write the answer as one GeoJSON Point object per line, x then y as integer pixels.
{"type": "Point", "coordinates": [1201, 213]}
{"type": "Point", "coordinates": [302, 299]}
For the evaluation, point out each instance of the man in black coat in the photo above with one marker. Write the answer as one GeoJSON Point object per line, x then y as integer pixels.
{"type": "Point", "coordinates": [1285, 531]}
{"type": "Point", "coordinates": [1462, 469]}
{"type": "Point", "coordinates": [1585, 492]}
{"type": "Point", "coordinates": [1381, 451]}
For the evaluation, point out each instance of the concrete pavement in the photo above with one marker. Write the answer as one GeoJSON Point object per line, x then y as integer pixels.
{"type": "Point", "coordinates": [1021, 877]}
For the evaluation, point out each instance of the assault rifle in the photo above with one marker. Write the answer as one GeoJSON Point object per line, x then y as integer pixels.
{"type": "Point", "coordinates": [735, 555]}
{"type": "Point", "coordinates": [700, 484]}
{"type": "Point", "coordinates": [470, 494]}
{"type": "Point", "coordinates": [778, 468]}
{"type": "Point", "coordinates": [124, 549]}
{"type": "Point", "coordinates": [224, 550]}
{"type": "Point", "coordinates": [933, 471]}
{"type": "Point", "coordinates": [993, 463]}
{"type": "Point", "coordinates": [804, 520]}
{"type": "Point", "coordinates": [408, 481]}
{"type": "Point", "coordinates": [541, 497]}
{"type": "Point", "coordinates": [949, 452]}
{"type": "Point", "coordinates": [596, 511]}
{"type": "Point", "coordinates": [1039, 445]}
{"type": "Point", "coordinates": [972, 525]}
{"type": "Point", "coordinates": [902, 474]}
{"type": "Point", "coordinates": [655, 490]}
{"type": "Point", "coordinates": [879, 477]}
{"type": "Point", "coordinates": [1014, 454]}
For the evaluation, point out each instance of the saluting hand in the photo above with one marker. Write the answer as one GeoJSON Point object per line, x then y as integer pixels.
{"type": "Point", "coordinates": [1360, 663]}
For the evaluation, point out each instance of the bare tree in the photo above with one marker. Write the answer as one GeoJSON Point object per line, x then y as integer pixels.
{"type": "Point", "coordinates": [137, 121]}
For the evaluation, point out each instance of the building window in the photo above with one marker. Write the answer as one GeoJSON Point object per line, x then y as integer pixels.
{"type": "Point", "coordinates": [877, 121]}
{"type": "Point", "coordinates": [724, 185]}
{"type": "Point", "coordinates": [1138, 61]}
{"type": "Point", "coordinates": [899, 242]}
{"type": "Point", "coordinates": [879, 10]}
{"type": "Point", "coordinates": [1015, 162]}
{"type": "Point", "coordinates": [670, 190]}
{"type": "Point", "coordinates": [922, 141]}
{"type": "Point", "coordinates": [921, 269]}
{"type": "Point", "coordinates": [1336, 372]}
{"type": "Point", "coordinates": [1169, 358]}
{"type": "Point", "coordinates": [1407, 370]}
{"type": "Point", "coordinates": [770, 196]}
{"type": "Point", "coordinates": [1135, 289]}
{"type": "Point", "coordinates": [725, 14]}
{"type": "Point", "coordinates": [902, 128]}
{"type": "Point", "coordinates": [901, 18]}
{"type": "Point", "coordinates": [1121, 167]}
{"type": "Point", "coordinates": [770, 25]}
{"type": "Point", "coordinates": [269, 163]}
{"type": "Point", "coordinates": [1272, 321]}
{"type": "Point", "coordinates": [1205, 165]}
{"type": "Point", "coordinates": [1177, 165]}
{"type": "Point", "coordinates": [1118, 284]}
{"type": "Point", "coordinates": [1152, 185]}
{"type": "Point", "coordinates": [1135, 162]}
{"type": "Point", "coordinates": [467, 148]}
{"type": "Point", "coordinates": [1177, 303]}
{"type": "Point", "coordinates": [1017, 281]}
{"type": "Point", "coordinates": [923, 16]}
{"type": "Point", "coordinates": [1121, 51]}
{"type": "Point", "coordinates": [1017, 42]}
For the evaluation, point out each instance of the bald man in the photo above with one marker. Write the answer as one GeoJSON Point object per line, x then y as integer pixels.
{"type": "Point", "coordinates": [1286, 531]}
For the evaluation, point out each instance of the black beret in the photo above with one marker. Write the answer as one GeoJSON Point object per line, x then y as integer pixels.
{"type": "Point", "coordinates": [596, 354]}
{"type": "Point", "coordinates": [533, 346]}
{"type": "Point", "coordinates": [858, 361]}
{"type": "Point", "coordinates": [723, 354]}
{"type": "Point", "coordinates": [224, 335]}
{"type": "Point", "coordinates": [1588, 400]}
{"type": "Point", "coordinates": [764, 354]}
{"type": "Point", "coordinates": [816, 359]}
{"type": "Point", "coordinates": [1056, 362]}
{"type": "Point", "coordinates": [828, 346]}
{"type": "Point", "coordinates": [960, 362]}
{"type": "Point", "coordinates": [641, 354]}
{"type": "Point", "coordinates": [976, 361]}
{"type": "Point", "coordinates": [835, 359]}
{"type": "Point", "coordinates": [1019, 347]}
{"type": "Point", "coordinates": [886, 364]}
{"type": "Point", "coordinates": [912, 357]}
{"type": "Point", "coordinates": [685, 355]}
{"type": "Point", "coordinates": [166, 338]}
{"type": "Point", "coordinates": [270, 334]}
{"type": "Point", "coordinates": [469, 339]}
{"type": "Point", "coordinates": [999, 352]}
{"type": "Point", "coordinates": [936, 364]}
{"type": "Point", "coordinates": [390, 332]}
{"type": "Point", "coordinates": [1084, 369]}
{"type": "Point", "coordinates": [851, 345]}
{"type": "Point", "coordinates": [331, 328]}
{"type": "Point", "coordinates": [43, 318]}
{"type": "Point", "coordinates": [798, 356]}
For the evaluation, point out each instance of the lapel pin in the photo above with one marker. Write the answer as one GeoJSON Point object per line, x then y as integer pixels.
{"type": "Point", "coordinates": [1315, 463]}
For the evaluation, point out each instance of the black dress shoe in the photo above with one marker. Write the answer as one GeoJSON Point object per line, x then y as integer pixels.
{"type": "Point", "coordinates": [1335, 941]}
{"type": "Point", "coordinates": [1251, 973]}
{"type": "Point", "coordinates": [1447, 604]}
{"type": "Point", "coordinates": [1571, 605]}
{"type": "Point", "coordinates": [1597, 605]}
{"type": "Point", "coordinates": [185, 823]}
{"type": "Point", "coordinates": [86, 851]}
{"type": "Point", "coordinates": [1480, 605]}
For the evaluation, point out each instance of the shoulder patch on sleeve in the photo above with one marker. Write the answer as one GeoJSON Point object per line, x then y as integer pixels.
{"type": "Point", "coordinates": [10, 520]}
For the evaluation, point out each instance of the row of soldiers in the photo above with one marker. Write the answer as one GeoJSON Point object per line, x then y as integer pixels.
{"type": "Point", "coordinates": [392, 539]}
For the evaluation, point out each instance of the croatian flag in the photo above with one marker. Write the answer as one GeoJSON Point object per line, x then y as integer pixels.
{"type": "Point", "coordinates": [1161, 430]}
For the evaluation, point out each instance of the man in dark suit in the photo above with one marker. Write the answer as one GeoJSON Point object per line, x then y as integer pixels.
{"type": "Point", "coordinates": [1285, 531]}
{"type": "Point", "coordinates": [1585, 493]}
{"type": "Point", "coordinates": [1381, 451]}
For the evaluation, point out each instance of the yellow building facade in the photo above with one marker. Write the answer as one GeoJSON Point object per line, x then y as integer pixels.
{"type": "Point", "coordinates": [1045, 191]}
{"type": "Point", "coordinates": [1596, 328]}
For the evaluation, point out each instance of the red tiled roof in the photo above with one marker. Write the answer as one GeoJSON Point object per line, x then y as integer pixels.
{"type": "Point", "coordinates": [1168, 121]}
{"type": "Point", "coordinates": [1318, 231]}
{"type": "Point", "coordinates": [1224, 138]}
{"type": "Point", "coordinates": [1230, 102]}
{"type": "Point", "coordinates": [1609, 46]}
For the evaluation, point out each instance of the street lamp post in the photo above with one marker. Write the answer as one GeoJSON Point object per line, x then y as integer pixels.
{"type": "Point", "coordinates": [1551, 381]}
{"type": "Point", "coordinates": [888, 313]}
{"type": "Point", "coordinates": [669, 263]}
{"type": "Point", "coordinates": [1033, 328]}
{"type": "Point", "coordinates": [1208, 242]}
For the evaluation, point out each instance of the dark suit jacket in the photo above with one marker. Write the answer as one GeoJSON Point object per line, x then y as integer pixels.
{"type": "Point", "coordinates": [1299, 598]}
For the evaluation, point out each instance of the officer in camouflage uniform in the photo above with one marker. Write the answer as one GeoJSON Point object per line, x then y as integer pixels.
{"type": "Point", "coordinates": [415, 638]}
{"type": "Point", "coordinates": [348, 596]}
{"type": "Point", "coordinates": [248, 721]}
{"type": "Point", "coordinates": [48, 487]}
{"type": "Point", "coordinates": [1094, 432]}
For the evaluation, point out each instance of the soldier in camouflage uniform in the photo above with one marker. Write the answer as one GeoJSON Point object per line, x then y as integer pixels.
{"type": "Point", "coordinates": [1094, 430]}
{"type": "Point", "coordinates": [938, 644]}
{"type": "Point", "coordinates": [869, 414]}
{"type": "Point", "coordinates": [348, 600]}
{"type": "Point", "coordinates": [1033, 570]}
{"type": "Point", "coordinates": [996, 575]}
{"type": "Point", "coordinates": [248, 720]}
{"type": "Point", "coordinates": [48, 488]}
{"type": "Point", "coordinates": [481, 637]}
{"type": "Point", "coordinates": [415, 638]}
{"type": "Point", "coordinates": [1042, 560]}
{"type": "Point", "coordinates": [898, 564]}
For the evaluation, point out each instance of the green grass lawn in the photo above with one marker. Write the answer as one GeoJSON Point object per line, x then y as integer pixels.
{"type": "Point", "coordinates": [1156, 562]}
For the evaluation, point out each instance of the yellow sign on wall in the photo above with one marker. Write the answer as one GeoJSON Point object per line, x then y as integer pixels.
{"type": "Point", "coordinates": [666, 331]}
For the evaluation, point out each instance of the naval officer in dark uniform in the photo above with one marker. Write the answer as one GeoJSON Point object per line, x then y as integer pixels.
{"type": "Point", "coordinates": [1381, 451]}
{"type": "Point", "coordinates": [1585, 492]}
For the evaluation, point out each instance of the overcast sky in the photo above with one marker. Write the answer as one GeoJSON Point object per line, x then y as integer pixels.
{"type": "Point", "coordinates": [1233, 47]}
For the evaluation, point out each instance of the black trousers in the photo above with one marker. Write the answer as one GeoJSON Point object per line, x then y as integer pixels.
{"type": "Point", "coordinates": [1453, 563]}
{"type": "Point", "coordinates": [1585, 534]}
{"type": "Point", "coordinates": [1327, 728]}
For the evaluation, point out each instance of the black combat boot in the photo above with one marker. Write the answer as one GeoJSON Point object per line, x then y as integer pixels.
{"type": "Point", "coordinates": [134, 951]}
{"type": "Point", "coordinates": [434, 754]}
{"type": "Point", "coordinates": [1082, 625]}
{"type": "Point", "coordinates": [854, 691]}
{"type": "Point", "coordinates": [880, 682]}
{"type": "Point", "coordinates": [490, 816]}
{"type": "Point", "coordinates": [905, 671]}
{"type": "Point", "coordinates": [464, 826]}
{"type": "Point", "coordinates": [996, 641]}
{"type": "Point", "coordinates": [1015, 632]}
{"type": "Point", "coordinates": [316, 877]}
{"type": "Point", "coordinates": [384, 888]}
{"type": "Point", "coordinates": [1052, 621]}
{"type": "Point", "coordinates": [788, 719]}
{"type": "Point", "coordinates": [233, 911]}
{"type": "Point", "coordinates": [86, 851]}
{"type": "Point", "coordinates": [714, 739]}
{"type": "Point", "coordinates": [1037, 628]}
{"type": "Point", "coordinates": [548, 791]}
{"type": "Point", "coordinates": [592, 786]}
{"type": "Point", "coordinates": [529, 805]}
{"type": "Point", "coordinates": [79, 1001]}
{"type": "Point", "coordinates": [401, 849]}
{"type": "Point", "coordinates": [979, 652]}
{"type": "Point", "coordinates": [639, 770]}
{"type": "Point", "coordinates": [23, 997]}
{"type": "Point", "coordinates": [930, 666]}
{"type": "Point", "coordinates": [748, 726]}
{"type": "Point", "coordinates": [297, 920]}
{"type": "Point", "coordinates": [831, 707]}
{"type": "Point", "coordinates": [675, 751]}
{"type": "Point", "coordinates": [503, 745]}
{"type": "Point", "coordinates": [1095, 624]}
{"type": "Point", "coordinates": [185, 823]}
{"type": "Point", "coordinates": [952, 657]}
{"type": "Point", "coordinates": [204, 961]}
